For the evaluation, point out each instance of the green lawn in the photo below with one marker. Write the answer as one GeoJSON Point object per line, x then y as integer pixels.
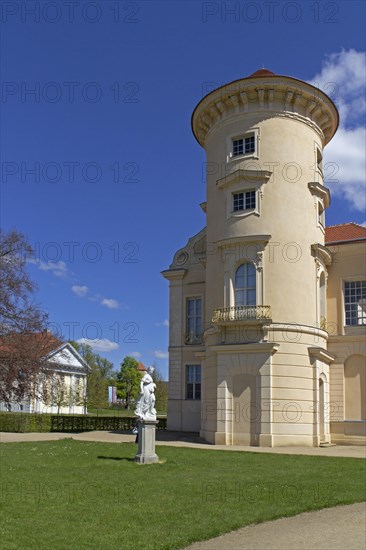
{"type": "Point", "coordinates": [73, 494]}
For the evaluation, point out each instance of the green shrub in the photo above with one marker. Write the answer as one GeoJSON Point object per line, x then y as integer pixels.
{"type": "Point", "coordinates": [70, 423]}
{"type": "Point", "coordinates": [33, 422]}
{"type": "Point", "coordinates": [24, 422]}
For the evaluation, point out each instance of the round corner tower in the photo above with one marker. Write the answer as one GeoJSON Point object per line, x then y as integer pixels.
{"type": "Point", "coordinates": [265, 364]}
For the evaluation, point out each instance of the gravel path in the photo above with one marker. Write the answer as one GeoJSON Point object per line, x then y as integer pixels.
{"type": "Point", "coordinates": [340, 528]}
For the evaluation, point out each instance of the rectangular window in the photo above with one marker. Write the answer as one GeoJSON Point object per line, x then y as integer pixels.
{"type": "Point", "coordinates": [193, 382]}
{"type": "Point", "coordinates": [194, 321]}
{"type": "Point", "coordinates": [319, 160]}
{"type": "Point", "coordinates": [355, 302]}
{"type": "Point", "coordinates": [243, 146]}
{"type": "Point", "coordinates": [321, 214]}
{"type": "Point", "coordinates": [243, 201]}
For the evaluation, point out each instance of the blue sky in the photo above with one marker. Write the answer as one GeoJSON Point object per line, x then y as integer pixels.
{"type": "Point", "coordinates": [117, 174]}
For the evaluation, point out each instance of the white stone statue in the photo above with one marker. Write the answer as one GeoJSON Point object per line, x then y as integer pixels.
{"type": "Point", "coordinates": [145, 405]}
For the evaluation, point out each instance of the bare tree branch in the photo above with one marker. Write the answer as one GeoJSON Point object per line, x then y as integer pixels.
{"type": "Point", "coordinates": [24, 341]}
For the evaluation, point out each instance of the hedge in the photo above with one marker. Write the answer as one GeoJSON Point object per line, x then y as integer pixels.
{"type": "Point", "coordinates": [69, 423]}
{"type": "Point", "coordinates": [25, 422]}
{"type": "Point", "coordinates": [30, 422]}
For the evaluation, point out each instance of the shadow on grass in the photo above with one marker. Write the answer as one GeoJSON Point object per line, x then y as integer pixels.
{"type": "Point", "coordinates": [168, 435]}
{"type": "Point", "coordinates": [117, 458]}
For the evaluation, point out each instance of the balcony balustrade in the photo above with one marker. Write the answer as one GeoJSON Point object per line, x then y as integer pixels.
{"type": "Point", "coordinates": [193, 339]}
{"type": "Point", "coordinates": [249, 314]}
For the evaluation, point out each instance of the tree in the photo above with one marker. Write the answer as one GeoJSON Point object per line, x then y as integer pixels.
{"type": "Point", "coordinates": [129, 380]}
{"type": "Point", "coordinates": [161, 391]}
{"type": "Point", "coordinates": [97, 378]}
{"type": "Point", "coordinates": [79, 394]}
{"type": "Point", "coordinates": [61, 393]}
{"type": "Point", "coordinates": [106, 368]}
{"type": "Point", "coordinates": [96, 389]}
{"type": "Point", "coordinates": [22, 323]}
{"type": "Point", "coordinates": [18, 312]}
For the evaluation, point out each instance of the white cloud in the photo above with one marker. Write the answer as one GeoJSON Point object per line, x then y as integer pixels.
{"type": "Point", "coordinates": [347, 152]}
{"type": "Point", "coordinates": [136, 354]}
{"type": "Point", "coordinates": [99, 345]}
{"type": "Point", "coordinates": [343, 78]}
{"type": "Point", "coordinates": [57, 268]}
{"type": "Point", "coordinates": [80, 291]}
{"type": "Point", "coordinates": [110, 303]}
{"type": "Point", "coordinates": [159, 354]}
{"type": "Point", "coordinates": [165, 323]}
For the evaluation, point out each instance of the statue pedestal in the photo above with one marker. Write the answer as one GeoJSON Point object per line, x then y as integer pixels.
{"type": "Point", "coordinates": [146, 442]}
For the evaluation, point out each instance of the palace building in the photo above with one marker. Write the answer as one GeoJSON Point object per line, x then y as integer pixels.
{"type": "Point", "coordinates": [267, 304]}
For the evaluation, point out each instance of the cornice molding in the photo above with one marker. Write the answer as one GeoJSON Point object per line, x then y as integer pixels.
{"type": "Point", "coordinates": [322, 253]}
{"type": "Point", "coordinates": [262, 347]}
{"type": "Point", "coordinates": [279, 97]}
{"type": "Point", "coordinates": [240, 174]}
{"type": "Point", "coordinates": [244, 239]}
{"type": "Point", "coordinates": [174, 274]}
{"type": "Point", "coordinates": [322, 354]}
{"type": "Point", "coordinates": [321, 191]}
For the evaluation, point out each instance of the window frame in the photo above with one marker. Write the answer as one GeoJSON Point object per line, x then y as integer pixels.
{"type": "Point", "coordinates": [196, 385]}
{"type": "Point", "coordinates": [319, 159]}
{"type": "Point", "coordinates": [346, 303]}
{"type": "Point", "coordinates": [243, 192]}
{"type": "Point", "coordinates": [197, 337]}
{"type": "Point", "coordinates": [246, 287]}
{"type": "Point", "coordinates": [245, 140]}
{"type": "Point", "coordinates": [320, 214]}
{"type": "Point", "coordinates": [252, 132]}
{"type": "Point", "coordinates": [243, 187]}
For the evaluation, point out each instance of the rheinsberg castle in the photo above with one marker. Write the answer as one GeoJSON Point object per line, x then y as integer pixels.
{"type": "Point", "coordinates": [267, 304]}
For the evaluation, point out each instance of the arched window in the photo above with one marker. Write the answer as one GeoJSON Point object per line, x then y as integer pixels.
{"type": "Point", "coordinates": [245, 285]}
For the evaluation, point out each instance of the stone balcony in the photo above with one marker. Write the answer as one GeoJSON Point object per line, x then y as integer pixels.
{"type": "Point", "coordinates": [242, 314]}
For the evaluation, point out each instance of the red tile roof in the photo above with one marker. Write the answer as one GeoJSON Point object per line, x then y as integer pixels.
{"type": "Point", "coordinates": [44, 341]}
{"type": "Point", "coordinates": [344, 232]}
{"type": "Point", "coordinates": [263, 72]}
{"type": "Point", "coordinates": [141, 367]}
